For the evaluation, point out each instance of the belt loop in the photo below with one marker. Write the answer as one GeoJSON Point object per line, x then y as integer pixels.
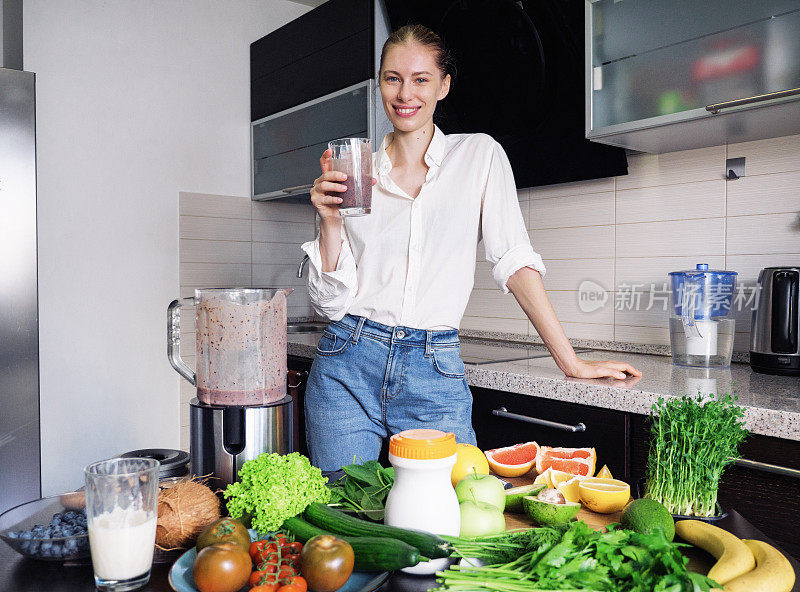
{"type": "Point", "coordinates": [357, 332]}
{"type": "Point", "coordinates": [428, 346]}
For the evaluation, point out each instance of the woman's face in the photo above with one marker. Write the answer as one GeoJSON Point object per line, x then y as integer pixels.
{"type": "Point", "coordinates": [411, 84]}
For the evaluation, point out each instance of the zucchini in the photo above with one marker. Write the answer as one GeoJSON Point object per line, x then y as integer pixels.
{"type": "Point", "coordinates": [372, 553]}
{"type": "Point", "coordinates": [339, 523]}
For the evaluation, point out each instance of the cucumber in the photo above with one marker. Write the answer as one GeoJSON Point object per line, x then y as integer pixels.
{"type": "Point", "coordinates": [372, 553]}
{"type": "Point", "coordinates": [325, 517]}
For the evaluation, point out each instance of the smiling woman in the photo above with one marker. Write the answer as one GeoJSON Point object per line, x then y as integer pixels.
{"type": "Point", "coordinates": [396, 283]}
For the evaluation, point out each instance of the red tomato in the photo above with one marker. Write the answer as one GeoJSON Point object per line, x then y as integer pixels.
{"type": "Point", "coordinates": [263, 577]}
{"type": "Point", "coordinates": [292, 549]}
{"type": "Point", "coordinates": [299, 582]}
{"type": "Point", "coordinates": [326, 562]}
{"type": "Point", "coordinates": [291, 588]}
{"type": "Point", "coordinates": [286, 572]}
{"type": "Point", "coordinates": [224, 567]}
{"type": "Point", "coordinates": [265, 588]}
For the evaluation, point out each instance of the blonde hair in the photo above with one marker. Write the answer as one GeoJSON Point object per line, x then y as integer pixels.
{"type": "Point", "coordinates": [427, 38]}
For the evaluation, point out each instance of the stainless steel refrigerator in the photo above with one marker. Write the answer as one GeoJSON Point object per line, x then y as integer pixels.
{"type": "Point", "coordinates": [20, 473]}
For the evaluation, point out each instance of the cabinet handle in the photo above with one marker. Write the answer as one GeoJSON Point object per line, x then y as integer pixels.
{"type": "Point", "coordinates": [297, 188]}
{"type": "Point", "coordinates": [760, 466]}
{"type": "Point", "coordinates": [503, 412]}
{"type": "Point", "coordinates": [717, 107]}
{"type": "Point", "coordinates": [300, 377]}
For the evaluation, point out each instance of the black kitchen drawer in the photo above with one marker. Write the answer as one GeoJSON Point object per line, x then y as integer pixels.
{"type": "Point", "coordinates": [314, 32]}
{"type": "Point", "coordinates": [606, 430]}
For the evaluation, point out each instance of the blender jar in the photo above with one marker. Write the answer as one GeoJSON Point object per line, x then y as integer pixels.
{"type": "Point", "coordinates": [701, 334]}
{"type": "Point", "coordinates": [240, 345]}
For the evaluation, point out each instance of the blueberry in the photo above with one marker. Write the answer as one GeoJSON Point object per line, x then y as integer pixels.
{"type": "Point", "coordinates": [25, 545]}
{"type": "Point", "coordinates": [26, 534]}
{"type": "Point", "coordinates": [34, 547]}
{"type": "Point", "coordinates": [13, 534]}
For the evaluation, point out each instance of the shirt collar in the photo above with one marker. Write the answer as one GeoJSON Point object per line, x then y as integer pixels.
{"type": "Point", "coordinates": [433, 155]}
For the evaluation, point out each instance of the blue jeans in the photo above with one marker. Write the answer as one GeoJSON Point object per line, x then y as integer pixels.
{"type": "Point", "coordinates": [369, 381]}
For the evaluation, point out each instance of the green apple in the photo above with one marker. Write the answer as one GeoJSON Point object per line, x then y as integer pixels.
{"type": "Point", "coordinates": [482, 488]}
{"type": "Point", "coordinates": [480, 518]}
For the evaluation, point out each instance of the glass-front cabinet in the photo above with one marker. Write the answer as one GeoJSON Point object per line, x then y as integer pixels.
{"type": "Point", "coordinates": [669, 75]}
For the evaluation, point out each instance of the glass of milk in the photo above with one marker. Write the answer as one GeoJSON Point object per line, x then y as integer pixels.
{"type": "Point", "coordinates": [121, 511]}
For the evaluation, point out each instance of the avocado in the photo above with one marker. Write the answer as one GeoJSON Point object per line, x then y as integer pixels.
{"type": "Point", "coordinates": [547, 513]}
{"type": "Point", "coordinates": [514, 496]}
{"type": "Point", "coordinates": [644, 515]}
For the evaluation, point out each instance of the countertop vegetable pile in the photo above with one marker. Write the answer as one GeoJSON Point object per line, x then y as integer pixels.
{"type": "Point", "coordinates": [274, 487]}
{"type": "Point", "coordinates": [580, 558]}
{"type": "Point", "coordinates": [692, 442]}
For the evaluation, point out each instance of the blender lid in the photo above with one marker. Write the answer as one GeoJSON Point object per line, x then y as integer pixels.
{"type": "Point", "coordinates": [174, 463]}
{"type": "Point", "coordinates": [703, 268]}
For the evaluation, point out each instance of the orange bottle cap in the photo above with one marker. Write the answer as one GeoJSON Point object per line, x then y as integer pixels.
{"type": "Point", "coordinates": [423, 444]}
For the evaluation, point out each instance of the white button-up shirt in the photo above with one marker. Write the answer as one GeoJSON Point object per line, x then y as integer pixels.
{"type": "Point", "coordinates": [411, 262]}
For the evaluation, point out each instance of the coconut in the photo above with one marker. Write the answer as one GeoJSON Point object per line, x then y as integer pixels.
{"type": "Point", "coordinates": [184, 510]}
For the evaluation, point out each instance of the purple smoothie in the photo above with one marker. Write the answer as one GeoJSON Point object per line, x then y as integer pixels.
{"type": "Point", "coordinates": [354, 160]}
{"type": "Point", "coordinates": [241, 351]}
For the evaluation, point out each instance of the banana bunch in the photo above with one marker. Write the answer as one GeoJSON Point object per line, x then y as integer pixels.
{"type": "Point", "coordinates": [742, 565]}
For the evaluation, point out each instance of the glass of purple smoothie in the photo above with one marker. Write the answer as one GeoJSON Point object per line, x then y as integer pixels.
{"type": "Point", "coordinates": [353, 157]}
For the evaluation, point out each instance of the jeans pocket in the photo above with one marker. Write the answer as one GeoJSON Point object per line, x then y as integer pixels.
{"type": "Point", "coordinates": [332, 345]}
{"type": "Point", "coordinates": [447, 362]}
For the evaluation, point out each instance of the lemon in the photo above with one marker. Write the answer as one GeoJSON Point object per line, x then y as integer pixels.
{"type": "Point", "coordinates": [468, 457]}
{"type": "Point", "coordinates": [544, 478]}
{"type": "Point", "coordinates": [557, 477]}
{"type": "Point", "coordinates": [604, 473]}
{"type": "Point", "coordinates": [604, 496]}
{"type": "Point", "coordinates": [570, 490]}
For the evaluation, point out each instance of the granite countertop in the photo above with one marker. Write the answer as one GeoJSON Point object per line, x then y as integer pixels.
{"type": "Point", "coordinates": [771, 403]}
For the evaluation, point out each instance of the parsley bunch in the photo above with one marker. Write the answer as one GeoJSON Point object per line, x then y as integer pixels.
{"type": "Point", "coordinates": [584, 559]}
{"type": "Point", "coordinates": [274, 487]}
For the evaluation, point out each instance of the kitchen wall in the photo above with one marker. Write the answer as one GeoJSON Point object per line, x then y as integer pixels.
{"type": "Point", "coordinates": [230, 240]}
{"type": "Point", "coordinates": [617, 238]}
{"type": "Point", "coordinates": [136, 102]}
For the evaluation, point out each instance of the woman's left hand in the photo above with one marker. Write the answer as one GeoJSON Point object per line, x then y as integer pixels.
{"type": "Point", "coordinates": [600, 369]}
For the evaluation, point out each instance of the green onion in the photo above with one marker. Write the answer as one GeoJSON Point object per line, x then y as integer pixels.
{"type": "Point", "coordinates": [693, 439]}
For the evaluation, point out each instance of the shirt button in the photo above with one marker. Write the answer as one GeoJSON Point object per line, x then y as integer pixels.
{"type": "Point", "coordinates": [400, 334]}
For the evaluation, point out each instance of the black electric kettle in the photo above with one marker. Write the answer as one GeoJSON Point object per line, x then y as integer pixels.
{"type": "Point", "coordinates": [774, 343]}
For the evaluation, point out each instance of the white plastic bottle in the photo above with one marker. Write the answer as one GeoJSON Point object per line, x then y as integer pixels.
{"type": "Point", "coordinates": [422, 496]}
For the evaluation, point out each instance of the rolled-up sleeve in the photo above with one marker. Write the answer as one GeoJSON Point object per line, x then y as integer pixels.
{"type": "Point", "coordinates": [506, 241]}
{"type": "Point", "coordinates": [331, 292]}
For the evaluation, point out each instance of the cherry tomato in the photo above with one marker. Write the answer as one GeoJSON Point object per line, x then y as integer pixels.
{"type": "Point", "coordinates": [267, 555]}
{"type": "Point", "coordinates": [222, 531]}
{"type": "Point", "coordinates": [297, 581]}
{"type": "Point", "coordinates": [291, 559]}
{"type": "Point", "coordinates": [255, 549]}
{"type": "Point", "coordinates": [291, 588]}
{"type": "Point", "coordinates": [281, 538]}
{"type": "Point", "coordinates": [286, 572]}
{"type": "Point", "coordinates": [326, 562]}
{"type": "Point", "coordinates": [266, 576]}
{"type": "Point", "coordinates": [224, 567]}
{"type": "Point", "coordinates": [292, 549]}
{"type": "Point", "coordinates": [265, 587]}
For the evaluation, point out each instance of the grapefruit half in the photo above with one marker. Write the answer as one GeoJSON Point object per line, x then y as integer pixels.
{"type": "Point", "coordinates": [513, 461]}
{"type": "Point", "coordinates": [577, 461]}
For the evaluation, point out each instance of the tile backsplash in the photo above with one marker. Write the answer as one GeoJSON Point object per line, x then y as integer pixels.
{"type": "Point", "coordinates": [233, 241]}
{"type": "Point", "coordinates": [623, 235]}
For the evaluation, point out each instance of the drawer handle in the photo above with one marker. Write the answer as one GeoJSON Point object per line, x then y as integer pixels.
{"type": "Point", "coordinates": [503, 412]}
{"type": "Point", "coordinates": [717, 107]}
{"type": "Point", "coordinates": [760, 466]}
{"type": "Point", "coordinates": [299, 376]}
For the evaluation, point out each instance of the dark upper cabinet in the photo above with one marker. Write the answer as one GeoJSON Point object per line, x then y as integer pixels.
{"type": "Point", "coordinates": [323, 51]}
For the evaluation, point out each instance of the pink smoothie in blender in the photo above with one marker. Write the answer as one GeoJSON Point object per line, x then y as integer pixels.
{"type": "Point", "coordinates": [240, 346]}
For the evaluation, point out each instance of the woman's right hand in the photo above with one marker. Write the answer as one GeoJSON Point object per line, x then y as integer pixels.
{"type": "Point", "coordinates": [323, 194]}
